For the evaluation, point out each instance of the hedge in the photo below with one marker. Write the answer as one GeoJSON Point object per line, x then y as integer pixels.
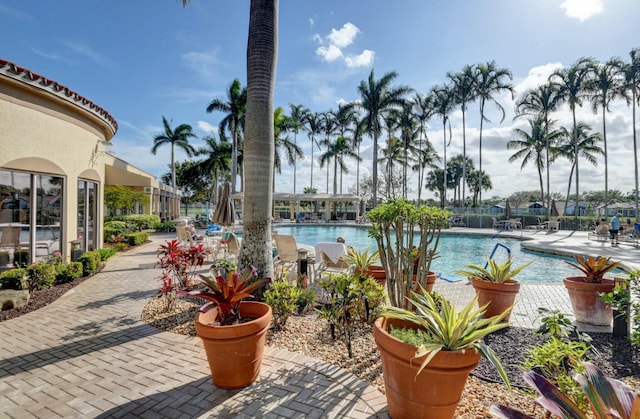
{"type": "Point", "coordinates": [90, 262]}
{"type": "Point", "coordinates": [12, 279]}
{"type": "Point", "coordinates": [136, 239]}
{"type": "Point", "coordinates": [137, 222]}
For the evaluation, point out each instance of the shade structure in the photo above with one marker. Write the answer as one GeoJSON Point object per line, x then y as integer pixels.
{"type": "Point", "coordinates": [507, 209]}
{"type": "Point", "coordinates": [554, 209]}
{"type": "Point", "coordinates": [225, 213]}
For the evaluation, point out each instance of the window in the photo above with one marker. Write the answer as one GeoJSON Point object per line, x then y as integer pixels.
{"type": "Point", "coordinates": [87, 215]}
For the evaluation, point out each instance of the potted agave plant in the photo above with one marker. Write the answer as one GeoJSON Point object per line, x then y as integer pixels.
{"type": "Point", "coordinates": [232, 330]}
{"type": "Point", "coordinates": [364, 263]}
{"type": "Point", "coordinates": [428, 352]}
{"type": "Point", "coordinates": [495, 284]}
{"type": "Point", "coordinates": [584, 291]}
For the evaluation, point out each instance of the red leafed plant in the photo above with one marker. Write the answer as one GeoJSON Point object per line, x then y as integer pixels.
{"type": "Point", "coordinates": [594, 268]}
{"type": "Point", "coordinates": [226, 290]}
{"type": "Point", "coordinates": [180, 263]}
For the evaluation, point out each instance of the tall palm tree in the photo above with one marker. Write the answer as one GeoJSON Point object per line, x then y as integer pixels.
{"type": "Point", "coordinates": [217, 161]}
{"type": "Point", "coordinates": [346, 119]}
{"type": "Point", "coordinates": [489, 82]}
{"type": "Point", "coordinates": [178, 137]}
{"type": "Point", "coordinates": [572, 86]}
{"type": "Point", "coordinates": [435, 182]}
{"type": "Point", "coordinates": [376, 97]}
{"type": "Point", "coordinates": [443, 102]}
{"type": "Point", "coordinates": [632, 93]}
{"type": "Point", "coordinates": [427, 156]}
{"type": "Point", "coordinates": [392, 152]}
{"type": "Point", "coordinates": [262, 53]}
{"type": "Point", "coordinates": [282, 142]}
{"type": "Point", "coordinates": [587, 146]}
{"type": "Point", "coordinates": [531, 145]}
{"type": "Point", "coordinates": [313, 122]}
{"type": "Point", "coordinates": [606, 86]}
{"type": "Point", "coordinates": [409, 134]}
{"type": "Point", "coordinates": [295, 123]}
{"type": "Point", "coordinates": [235, 108]}
{"type": "Point", "coordinates": [464, 90]}
{"type": "Point", "coordinates": [330, 127]}
{"type": "Point", "coordinates": [337, 150]}
{"type": "Point", "coordinates": [540, 102]}
{"type": "Point", "coordinates": [478, 181]}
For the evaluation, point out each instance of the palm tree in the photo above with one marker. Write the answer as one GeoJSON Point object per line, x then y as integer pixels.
{"type": "Point", "coordinates": [292, 151]}
{"type": "Point", "coordinates": [426, 155]}
{"type": "Point", "coordinates": [178, 137]}
{"type": "Point", "coordinates": [329, 127]}
{"type": "Point", "coordinates": [606, 86]}
{"type": "Point", "coordinates": [346, 119]}
{"type": "Point", "coordinates": [572, 86]}
{"type": "Point", "coordinates": [586, 144]}
{"type": "Point", "coordinates": [407, 123]}
{"type": "Point", "coordinates": [478, 181]}
{"type": "Point", "coordinates": [464, 91]}
{"type": "Point", "coordinates": [235, 108]}
{"type": "Point", "coordinates": [539, 103]}
{"type": "Point", "coordinates": [378, 96]}
{"type": "Point", "coordinates": [531, 145]}
{"type": "Point", "coordinates": [490, 81]}
{"type": "Point", "coordinates": [632, 87]}
{"type": "Point", "coordinates": [295, 122]}
{"type": "Point", "coordinates": [337, 150]}
{"type": "Point", "coordinates": [435, 182]}
{"type": "Point", "coordinates": [314, 124]}
{"type": "Point", "coordinates": [217, 160]}
{"type": "Point", "coordinates": [443, 103]}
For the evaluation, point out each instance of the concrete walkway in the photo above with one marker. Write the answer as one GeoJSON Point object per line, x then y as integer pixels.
{"type": "Point", "coordinates": [89, 355]}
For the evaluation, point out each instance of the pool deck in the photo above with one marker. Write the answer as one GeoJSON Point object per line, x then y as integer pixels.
{"type": "Point", "coordinates": [89, 355]}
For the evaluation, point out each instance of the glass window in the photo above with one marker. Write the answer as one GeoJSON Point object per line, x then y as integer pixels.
{"type": "Point", "coordinates": [87, 214]}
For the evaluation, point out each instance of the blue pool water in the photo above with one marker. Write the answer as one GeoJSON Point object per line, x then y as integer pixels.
{"type": "Point", "coordinates": [455, 251]}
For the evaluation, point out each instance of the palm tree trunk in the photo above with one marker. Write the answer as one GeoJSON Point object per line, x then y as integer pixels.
{"type": "Point", "coordinates": [374, 172]}
{"type": "Point", "coordinates": [606, 165]}
{"type": "Point", "coordinates": [262, 52]}
{"type": "Point", "coordinates": [173, 168]}
{"type": "Point", "coordinates": [464, 155]}
{"type": "Point", "coordinates": [480, 150]}
{"type": "Point", "coordinates": [546, 136]}
{"type": "Point", "coordinates": [635, 147]}
{"type": "Point", "coordinates": [295, 165]}
{"type": "Point", "coordinates": [444, 167]}
{"type": "Point", "coordinates": [566, 201]}
{"type": "Point", "coordinates": [575, 139]}
{"type": "Point", "coordinates": [234, 158]}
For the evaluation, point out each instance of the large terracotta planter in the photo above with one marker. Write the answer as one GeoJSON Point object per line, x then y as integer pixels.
{"type": "Point", "coordinates": [375, 272]}
{"type": "Point", "coordinates": [500, 295]}
{"type": "Point", "coordinates": [436, 391]}
{"type": "Point", "coordinates": [587, 306]}
{"type": "Point", "coordinates": [235, 352]}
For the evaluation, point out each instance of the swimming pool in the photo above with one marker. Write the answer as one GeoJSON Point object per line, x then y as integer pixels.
{"type": "Point", "coordinates": [455, 251]}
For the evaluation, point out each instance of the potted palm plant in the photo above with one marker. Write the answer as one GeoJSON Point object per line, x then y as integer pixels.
{"type": "Point", "coordinates": [584, 291]}
{"type": "Point", "coordinates": [232, 330]}
{"type": "Point", "coordinates": [428, 352]}
{"type": "Point", "coordinates": [495, 284]}
{"type": "Point", "coordinates": [407, 237]}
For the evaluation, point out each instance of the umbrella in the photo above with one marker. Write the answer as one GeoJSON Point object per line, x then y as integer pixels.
{"type": "Point", "coordinates": [507, 209]}
{"type": "Point", "coordinates": [554, 210]}
{"type": "Point", "coordinates": [225, 213]}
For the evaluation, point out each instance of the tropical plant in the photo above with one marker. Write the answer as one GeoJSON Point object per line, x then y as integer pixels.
{"type": "Point", "coordinates": [620, 300]}
{"type": "Point", "coordinates": [282, 296]}
{"type": "Point", "coordinates": [608, 397]}
{"type": "Point", "coordinates": [225, 291]}
{"type": "Point", "coordinates": [295, 122]}
{"type": "Point", "coordinates": [361, 259]}
{"type": "Point", "coordinates": [217, 156]}
{"type": "Point", "coordinates": [593, 268]}
{"type": "Point", "coordinates": [495, 271]}
{"type": "Point", "coordinates": [632, 94]}
{"type": "Point", "coordinates": [400, 228]}
{"type": "Point", "coordinates": [313, 122]}
{"type": "Point", "coordinates": [178, 263]}
{"type": "Point", "coordinates": [427, 157]}
{"type": "Point", "coordinates": [377, 97]}
{"type": "Point", "coordinates": [448, 330]}
{"type": "Point", "coordinates": [175, 137]}
{"type": "Point", "coordinates": [443, 102]}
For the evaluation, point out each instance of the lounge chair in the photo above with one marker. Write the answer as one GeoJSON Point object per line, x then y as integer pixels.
{"type": "Point", "coordinates": [287, 257]}
{"type": "Point", "coordinates": [553, 224]}
{"type": "Point", "coordinates": [601, 233]}
{"type": "Point", "coordinates": [330, 256]}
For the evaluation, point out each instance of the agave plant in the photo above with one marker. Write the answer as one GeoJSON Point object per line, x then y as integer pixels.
{"type": "Point", "coordinates": [608, 397]}
{"type": "Point", "coordinates": [594, 268]}
{"type": "Point", "coordinates": [449, 330]}
{"type": "Point", "coordinates": [361, 259]}
{"type": "Point", "coordinates": [227, 290]}
{"type": "Point", "coordinates": [494, 271]}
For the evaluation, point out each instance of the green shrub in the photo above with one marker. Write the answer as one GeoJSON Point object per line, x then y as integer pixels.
{"type": "Point", "coordinates": [90, 262]}
{"type": "Point", "coordinates": [40, 276]}
{"type": "Point", "coordinates": [306, 299]}
{"type": "Point", "coordinates": [120, 246]}
{"type": "Point", "coordinates": [282, 296]}
{"type": "Point", "coordinates": [114, 228]}
{"type": "Point", "coordinates": [13, 279]}
{"type": "Point", "coordinates": [166, 227]}
{"type": "Point", "coordinates": [21, 258]}
{"type": "Point", "coordinates": [136, 239]}
{"type": "Point", "coordinates": [67, 272]}
{"type": "Point", "coordinates": [107, 252]}
{"type": "Point", "coordinates": [138, 222]}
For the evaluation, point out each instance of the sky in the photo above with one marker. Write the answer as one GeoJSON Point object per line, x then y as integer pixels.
{"type": "Point", "coordinates": [145, 59]}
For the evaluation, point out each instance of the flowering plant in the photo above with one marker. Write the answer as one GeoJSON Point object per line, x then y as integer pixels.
{"type": "Point", "coordinates": [226, 290]}
{"type": "Point", "coordinates": [593, 268]}
{"type": "Point", "coordinates": [178, 263]}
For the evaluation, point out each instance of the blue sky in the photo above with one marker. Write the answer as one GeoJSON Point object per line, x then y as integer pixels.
{"type": "Point", "coordinates": [144, 59]}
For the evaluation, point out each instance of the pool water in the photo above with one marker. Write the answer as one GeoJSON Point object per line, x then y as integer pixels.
{"type": "Point", "coordinates": [455, 251]}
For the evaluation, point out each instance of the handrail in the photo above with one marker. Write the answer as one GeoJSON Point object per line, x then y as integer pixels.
{"type": "Point", "coordinates": [494, 251]}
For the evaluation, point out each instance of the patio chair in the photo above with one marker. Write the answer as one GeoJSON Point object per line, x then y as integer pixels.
{"type": "Point", "coordinates": [184, 238]}
{"type": "Point", "coordinates": [553, 224]}
{"type": "Point", "coordinates": [330, 256]}
{"type": "Point", "coordinates": [10, 237]}
{"type": "Point", "coordinates": [231, 245]}
{"type": "Point", "coordinates": [287, 257]}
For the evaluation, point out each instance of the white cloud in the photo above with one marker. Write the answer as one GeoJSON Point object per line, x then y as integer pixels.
{"type": "Point", "coordinates": [330, 53]}
{"type": "Point", "coordinates": [207, 127]}
{"type": "Point", "coordinates": [344, 36]}
{"type": "Point", "coordinates": [537, 76]}
{"type": "Point", "coordinates": [204, 63]}
{"type": "Point", "coordinates": [86, 51]}
{"type": "Point", "coordinates": [364, 59]}
{"type": "Point", "coordinates": [582, 9]}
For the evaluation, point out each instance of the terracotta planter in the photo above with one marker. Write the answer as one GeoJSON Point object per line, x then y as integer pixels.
{"type": "Point", "coordinates": [586, 304]}
{"type": "Point", "coordinates": [377, 273]}
{"type": "Point", "coordinates": [235, 352]}
{"type": "Point", "coordinates": [434, 393]}
{"type": "Point", "coordinates": [500, 295]}
{"type": "Point", "coordinates": [431, 279]}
